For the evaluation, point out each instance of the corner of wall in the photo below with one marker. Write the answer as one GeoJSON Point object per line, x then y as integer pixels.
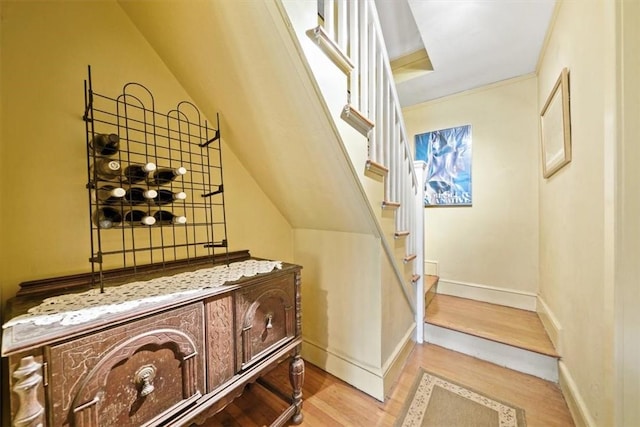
{"type": "Point", "coordinates": [551, 324]}
{"type": "Point", "coordinates": [364, 378]}
{"type": "Point", "coordinates": [575, 402]}
{"type": "Point", "coordinates": [547, 36]}
{"type": "Point", "coordinates": [491, 294]}
{"type": "Point", "coordinates": [392, 368]}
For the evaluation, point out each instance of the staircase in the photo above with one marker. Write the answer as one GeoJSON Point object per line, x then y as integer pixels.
{"type": "Point", "coordinates": [502, 335]}
{"type": "Point", "coordinates": [349, 34]}
{"type": "Point", "coordinates": [334, 159]}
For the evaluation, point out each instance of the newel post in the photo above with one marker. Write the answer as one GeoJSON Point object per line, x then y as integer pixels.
{"type": "Point", "coordinates": [420, 167]}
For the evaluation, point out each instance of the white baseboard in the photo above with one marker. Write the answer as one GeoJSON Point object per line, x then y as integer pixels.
{"type": "Point", "coordinates": [520, 360]}
{"type": "Point", "coordinates": [431, 267]}
{"type": "Point", "coordinates": [551, 324]}
{"type": "Point", "coordinates": [365, 378]}
{"type": "Point", "coordinates": [577, 407]}
{"type": "Point", "coordinates": [396, 362]}
{"type": "Point", "coordinates": [501, 296]}
{"type": "Point", "coordinates": [375, 382]}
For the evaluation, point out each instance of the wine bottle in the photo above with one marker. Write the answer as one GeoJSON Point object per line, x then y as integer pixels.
{"type": "Point", "coordinates": [167, 196]}
{"type": "Point", "coordinates": [108, 194]}
{"type": "Point", "coordinates": [107, 217]}
{"type": "Point", "coordinates": [168, 218]}
{"type": "Point", "coordinates": [105, 144]}
{"type": "Point", "coordinates": [137, 195]}
{"type": "Point", "coordinates": [105, 169]}
{"type": "Point", "coordinates": [138, 217]}
{"type": "Point", "coordinates": [135, 173]}
{"type": "Point", "coordinates": [163, 176]}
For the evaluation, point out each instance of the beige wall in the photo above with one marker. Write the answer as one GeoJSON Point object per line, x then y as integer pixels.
{"type": "Point", "coordinates": [101, 34]}
{"type": "Point", "coordinates": [2, 156]}
{"type": "Point", "coordinates": [627, 292]}
{"type": "Point", "coordinates": [357, 316]}
{"type": "Point", "coordinates": [588, 267]}
{"type": "Point", "coordinates": [495, 242]}
{"type": "Point", "coordinates": [576, 206]}
{"type": "Point", "coordinates": [337, 268]}
{"type": "Point", "coordinates": [46, 47]}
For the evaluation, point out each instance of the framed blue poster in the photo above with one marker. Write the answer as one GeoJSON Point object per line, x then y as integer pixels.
{"type": "Point", "coordinates": [448, 156]}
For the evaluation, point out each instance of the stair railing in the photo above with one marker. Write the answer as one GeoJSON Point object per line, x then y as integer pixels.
{"type": "Point", "coordinates": [350, 33]}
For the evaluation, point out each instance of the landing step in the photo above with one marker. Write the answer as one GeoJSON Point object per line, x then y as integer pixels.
{"type": "Point", "coordinates": [503, 335]}
{"type": "Point", "coordinates": [430, 288]}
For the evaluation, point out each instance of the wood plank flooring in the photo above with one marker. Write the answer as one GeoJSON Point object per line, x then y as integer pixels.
{"type": "Point", "coordinates": [329, 401]}
{"type": "Point", "coordinates": [507, 325]}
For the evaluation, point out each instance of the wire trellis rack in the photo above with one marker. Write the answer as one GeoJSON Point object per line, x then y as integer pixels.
{"type": "Point", "coordinates": [156, 192]}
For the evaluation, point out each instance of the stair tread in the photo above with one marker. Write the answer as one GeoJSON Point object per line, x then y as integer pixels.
{"type": "Point", "coordinates": [507, 325]}
{"type": "Point", "coordinates": [430, 281]}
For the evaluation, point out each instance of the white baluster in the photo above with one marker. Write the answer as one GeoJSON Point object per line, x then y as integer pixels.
{"type": "Point", "coordinates": [373, 108]}
{"type": "Point", "coordinates": [354, 54]}
{"type": "Point", "coordinates": [342, 25]}
{"type": "Point", "coordinates": [329, 19]}
{"type": "Point", "coordinates": [363, 24]}
{"type": "Point", "coordinates": [420, 171]}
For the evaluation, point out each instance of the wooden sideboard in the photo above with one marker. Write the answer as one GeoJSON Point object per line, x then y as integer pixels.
{"type": "Point", "coordinates": [174, 363]}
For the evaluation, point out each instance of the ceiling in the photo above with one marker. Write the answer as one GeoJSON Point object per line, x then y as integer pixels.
{"type": "Point", "coordinates": [469, 43]}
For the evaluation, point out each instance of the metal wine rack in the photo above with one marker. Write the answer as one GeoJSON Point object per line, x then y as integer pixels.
{"type": "Point", "coordinates": [178, 138]}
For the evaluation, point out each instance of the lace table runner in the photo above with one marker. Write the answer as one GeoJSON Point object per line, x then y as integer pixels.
{"type": "Point", "coordinates": [73, 309]}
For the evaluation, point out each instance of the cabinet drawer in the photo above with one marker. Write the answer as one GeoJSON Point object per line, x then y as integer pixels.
{"type": "Point", "coordinates": [134, 374]}
{"type": "Point", "coordinates": [265, 318]}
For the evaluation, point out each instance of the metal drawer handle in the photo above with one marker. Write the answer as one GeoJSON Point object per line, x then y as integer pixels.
{"type": "Point", "coordinates": [269, 319]}
{"type": "Point", "coordinates": [144, 378]}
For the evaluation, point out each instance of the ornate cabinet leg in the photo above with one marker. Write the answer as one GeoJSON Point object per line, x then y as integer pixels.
{"type": "Point", "coordinates": [296, 377]}
{"type": "Point", "coordinates": [28, 378]}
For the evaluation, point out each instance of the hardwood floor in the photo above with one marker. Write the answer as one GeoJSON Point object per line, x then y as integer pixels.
{"type": "Point", "coordinates": [519, 328]}
{"type": "Point", "coordinates": [329, 401]}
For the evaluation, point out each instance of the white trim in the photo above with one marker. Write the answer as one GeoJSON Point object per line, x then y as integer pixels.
{"type": "Point", "coordinates": [501, 296]}
{"type": "Point", "coordinates": [529, 362]}
{"type": "Point", "coordinates": [394, 364]}
{"type": "Point", "coordinates": [419, 166]}
{"type": "Point", "coordinates": [376, 382]}
{"type": "Point", "coordinates": [575, 402]}
{"type": "Point", "coordinates": [365, 378]}
{"type": "Point", "coordinates": [472, 91]}
{"type": "Point", "coordinates": [551, 325]}
{"type": "Point", "coordinates": [431, 267]}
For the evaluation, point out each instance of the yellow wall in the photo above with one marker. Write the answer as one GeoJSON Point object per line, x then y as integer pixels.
{"type": "Point", "coordinates": [576, 206]}
{"type": "Point", "coordinates": [341, 293]}
{"type": "Point", "coordinates": [627, 293]}
{"type": "Point", "coordinates": [356, 315]}
{"type": "Point", "coordinates": [46, 47]}
{"type": "Point", "coordinates": [2, 156]}
{"type": "Point", "coordinates": [495, 242]}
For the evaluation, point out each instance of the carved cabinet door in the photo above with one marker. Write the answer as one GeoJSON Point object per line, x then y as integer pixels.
{"type": "Point", "coordinates": [265, 318]}
{"type": "Point", "coordinates": [138, 373]}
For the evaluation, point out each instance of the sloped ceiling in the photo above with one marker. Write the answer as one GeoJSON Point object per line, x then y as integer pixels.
{"type": "Point", "coordinates": [229, 57]}
{"type": "Point", "coordinates": [470, 43]}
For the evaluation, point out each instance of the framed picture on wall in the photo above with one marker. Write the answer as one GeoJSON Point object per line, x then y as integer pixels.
{"type": "Point", "coordinates": [447, 153]}
{"type": "Point", "coordinates": [555, 127]}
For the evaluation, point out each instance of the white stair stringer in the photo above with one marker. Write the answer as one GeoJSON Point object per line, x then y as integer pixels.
{"type": "Point", "coordinates": [518, 359]}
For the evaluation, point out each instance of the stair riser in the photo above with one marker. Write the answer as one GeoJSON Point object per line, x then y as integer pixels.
{"type": "Point", "coordinates": [518, 359]}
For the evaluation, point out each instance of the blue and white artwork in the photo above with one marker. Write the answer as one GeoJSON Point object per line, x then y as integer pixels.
{"type": "Point", "coordinates": [448, 156]}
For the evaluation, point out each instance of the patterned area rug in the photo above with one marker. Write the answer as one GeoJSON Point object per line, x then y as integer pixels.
{"type": "Point", "coordinates": [436, 402]}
